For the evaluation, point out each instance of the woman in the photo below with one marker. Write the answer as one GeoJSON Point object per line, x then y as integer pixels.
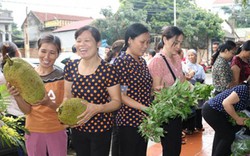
{"type": "Point", "coordinates": [136, 82]}
{"type": "Point", "coordinates": [240, 64]}
{"type": "Point", "coordinates": [194, 73]}
{"type": "Point", "coordinates": [165, 68]}
{"type": "Point", "coordinates": [216, 113]}
{"type": "Point", "coordinates": [95, 81]}
{"type": "Point", "coordinates": [222, 75]}
{"type": "Point", "coordinates": [115, 49]}
{"type": "Point", "coordinates": [47, 134]}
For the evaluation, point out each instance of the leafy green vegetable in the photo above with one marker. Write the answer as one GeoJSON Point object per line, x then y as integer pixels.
{"type": "Point", "coordinates": [175, 101]}
{"type": "Point", "coordinates": [9, 127]}
{"type": "Point", "coordinates": [243, 115]}
{"type": "Point", "coordinates": [4, 98]}
{"type": "Point", "coordinates": [241, 147]}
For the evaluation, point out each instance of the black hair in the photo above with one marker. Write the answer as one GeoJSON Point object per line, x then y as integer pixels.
{"type": "Point", "coordinates": [50, 39]}
{"type": "Point", "coordinates": [94, 32]}
{"type": "Point", "coordinates": [170, 32]}
{"type": "Point", "coordinates": [228, 45]}
{"type": "Point", "coordinates": [245, 46]}
{"type": "Point", "coordinates": [10, 47]}
{"type": "Point", "coordinates": [115, 49]}
{"type": "Point", "coordinates": [73, 49]}
{"type": "Point", "coordinates": [159, 46]}
{"type": "Point", "coordinates": [152, 52]}
{"type": "Point", "coordinates": [132, 32]}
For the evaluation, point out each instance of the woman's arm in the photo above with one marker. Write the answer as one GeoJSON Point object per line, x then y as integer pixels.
{"type": "Point", "coordinates": [157, 83]}
{"type": "Point", "coordinates": [67, 90]}
{"type": "Point", "coordinates": [23, 105]}
{"type": "Point", "coordinates": [228, 103]}
{"type": "Point", "coordinates": [93, 109]}
{"type": "Point", "coordinates": [236, 75]}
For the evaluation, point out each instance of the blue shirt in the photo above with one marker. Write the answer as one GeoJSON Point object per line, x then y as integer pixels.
{"type": "Point", "coordinates": [241, 90]}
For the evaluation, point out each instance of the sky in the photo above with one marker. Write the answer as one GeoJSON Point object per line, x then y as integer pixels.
{"type": "Point", "coordinates": [86, 8]}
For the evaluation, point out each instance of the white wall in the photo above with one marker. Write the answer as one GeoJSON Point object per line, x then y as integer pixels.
{"type": "Point", "coordinates": [67, 39]}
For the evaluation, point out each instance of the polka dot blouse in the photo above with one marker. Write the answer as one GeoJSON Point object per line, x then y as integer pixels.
{"type": "Point", "coordinates": [139, 81]}
{"type": "Point", "coordinates": [241, 90]}
{"type": "Point", "coordinates": [93, 88]}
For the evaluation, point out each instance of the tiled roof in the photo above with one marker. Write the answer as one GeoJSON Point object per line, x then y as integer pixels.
{"type": "Point", "coordinates": [223, 1]}
{"type": "Point", "coordinates": [74, 25]}
{"type": "Point", "coordinates": [43, 16]}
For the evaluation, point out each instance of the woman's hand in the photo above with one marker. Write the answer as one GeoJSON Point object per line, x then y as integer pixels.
{"type": "Point", "coordinates": [12, 90]}
{"type": "Point", "coordinates": [240, 121]}
{"type": "Point", "coordinates": [92, 110]}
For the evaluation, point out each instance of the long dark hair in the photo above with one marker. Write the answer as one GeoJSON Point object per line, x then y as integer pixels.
{"type": "Point", "coordinates": [245, 46]}
{"type": "Point", "coordinates": [228, 45]}
{"type": "Point", "coordinates": [115, 49]}
{"type": "Point", "coordinates": [170, 32]}
{"type": "Point", "coordinates": [132, 32]}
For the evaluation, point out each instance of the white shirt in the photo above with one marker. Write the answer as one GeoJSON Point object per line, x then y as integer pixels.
{"type": "Point", "coordinates": [12, 107]}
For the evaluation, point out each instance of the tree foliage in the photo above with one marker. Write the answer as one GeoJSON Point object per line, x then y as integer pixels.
{"type": "Point", "coordinates": [239, 16]}
{"type": "Point", "coordinates": [198, 25]}
{"type": "Point", "coordinates": [114, 25]}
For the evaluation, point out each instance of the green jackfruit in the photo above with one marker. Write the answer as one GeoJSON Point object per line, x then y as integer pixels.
{"type": "Point", "coordinates": [23, 76]}
{"type": "Point", "coordinates": [69, 110]}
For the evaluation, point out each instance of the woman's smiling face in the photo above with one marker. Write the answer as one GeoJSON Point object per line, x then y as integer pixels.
{"type": "Point", "coordinates": [86, 45]}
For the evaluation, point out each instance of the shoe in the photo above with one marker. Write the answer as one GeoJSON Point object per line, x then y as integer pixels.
{"type": "Point", "coordinates": [183, 135]}
{"type": "Point", "coordinates": [188, 132]}
{"type": "Point", "coordinates": [199, 129]}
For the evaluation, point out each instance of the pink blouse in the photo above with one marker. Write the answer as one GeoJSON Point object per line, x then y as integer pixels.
{"type": "Point", "coordinates": [158, 68]}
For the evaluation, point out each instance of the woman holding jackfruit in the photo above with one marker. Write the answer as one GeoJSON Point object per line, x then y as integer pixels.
{"type": "Point", "coordinates": [47, 134]}
{"type": "Point", "coordinates": [94, 80]}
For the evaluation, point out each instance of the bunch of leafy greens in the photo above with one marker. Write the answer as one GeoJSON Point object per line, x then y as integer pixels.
{"type": "Point", "coordinates": [9, 127]}
{"type": "Point", "coordinates": [241, 147]}
{"type": "Point", "coordinates": [4, 98]}
{"type": "Point", "coordinates": [177, 100]}
{"type": "Point", "coordinates": [243, 115]}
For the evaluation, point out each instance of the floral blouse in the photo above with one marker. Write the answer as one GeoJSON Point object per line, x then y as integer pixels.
{"type": "Point", "coordinates": [221, 74]}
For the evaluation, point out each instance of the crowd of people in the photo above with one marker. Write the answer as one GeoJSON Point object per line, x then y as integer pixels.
{"type": "Point", "coordinates": [118, 88]}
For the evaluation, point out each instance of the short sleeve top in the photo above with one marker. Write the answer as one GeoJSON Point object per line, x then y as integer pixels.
{"type": "Point", "coordinates": [241, 90]}
{"type": "Point", "coordinates": [43, 119]}
{"type": "Point", "coordinates": [159, 68]}
{"type": "Point", "coordinates": [92, 88]}
{"type": "Point", "coordinates": [244, 68]}
{"type": "Point", "coordinates": [139, 81]}
{"type": "Point", "coordinates": [221, 74]}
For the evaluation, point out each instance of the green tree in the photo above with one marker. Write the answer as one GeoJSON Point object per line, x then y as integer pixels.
{"type": "Point", "coordinates": [198, 25]}
{"type": "Point", "coordinates": [239, 17]}
{"type": "Point", "coordinates": [114, 25]}
{"type": "Point", "coordinates": [15, 31]}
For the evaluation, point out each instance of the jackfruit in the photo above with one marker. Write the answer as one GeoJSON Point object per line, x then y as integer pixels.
{"type": "Point", "coordinates": [23, 76]}
{"type": "Point", "coordinates": [69, 110]}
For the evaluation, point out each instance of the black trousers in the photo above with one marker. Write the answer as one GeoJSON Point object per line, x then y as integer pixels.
{"type": "Point", "coordinates": [131, 142]}
{"type": "Point", "coordinates": [224, 131]}
{"type": "Point", "coordinates": [198, 119]}
{"type": "Point", "coordinates": [91, 144]}
{"type": "Point", "coordinates": [171, 142]}
{"type": "Point", "coordinates": [115, 143]}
